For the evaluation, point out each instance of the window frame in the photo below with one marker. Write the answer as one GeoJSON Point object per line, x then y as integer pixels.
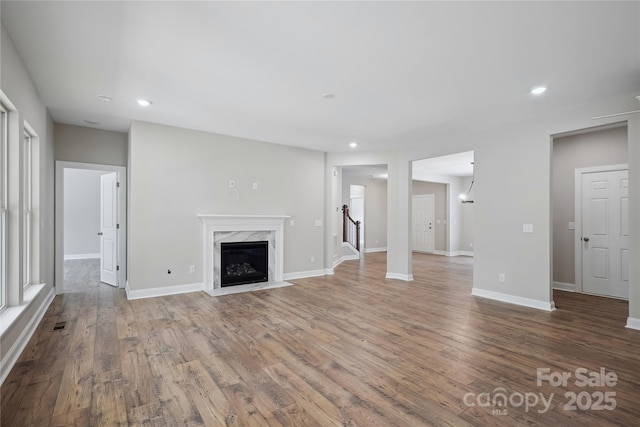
{"type": "Point", "coordinates": [27, 204]}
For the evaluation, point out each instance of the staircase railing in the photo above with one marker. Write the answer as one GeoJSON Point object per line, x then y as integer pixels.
{"type": "Point", "coordinates": [350, 229]}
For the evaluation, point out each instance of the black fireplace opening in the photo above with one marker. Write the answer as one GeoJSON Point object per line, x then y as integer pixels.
{"type": "Point", "coordinates": [244, 262]}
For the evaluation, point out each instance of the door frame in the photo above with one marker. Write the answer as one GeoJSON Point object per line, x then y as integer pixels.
{"type": "Point", "coordinates": [59, 218]}
{"type": "Point", "coordinates": [578, 213]}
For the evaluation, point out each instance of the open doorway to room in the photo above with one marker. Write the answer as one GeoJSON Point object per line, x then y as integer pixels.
{"type": "Point", "coordinates": [90, 226]}
{"type": "Point", "coordinates": [589, 202]}
{"type": "Point", "coordinates": [441, 224]}
{"type": "Point", "coordinates": [363, 191]}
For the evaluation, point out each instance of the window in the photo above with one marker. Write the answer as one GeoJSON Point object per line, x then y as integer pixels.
{"type": "Point", "coordinates": [26, 207]}
{"type": "Point", "coordinates": [4, 136]}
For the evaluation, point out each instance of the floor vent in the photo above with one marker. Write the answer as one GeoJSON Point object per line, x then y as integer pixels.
{"type": "Point", "coordinates": [59, 325]}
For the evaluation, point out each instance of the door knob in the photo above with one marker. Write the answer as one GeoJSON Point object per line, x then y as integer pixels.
{"type": "Point", "coordinates": [586, 239]}
{"type": "Point", "coordinates": [100, 233]}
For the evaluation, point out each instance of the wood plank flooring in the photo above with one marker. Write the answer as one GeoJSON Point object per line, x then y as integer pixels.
{"type": "Point", "coordinates": [352, 349]}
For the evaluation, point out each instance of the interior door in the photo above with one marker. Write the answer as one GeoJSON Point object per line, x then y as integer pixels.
{"type": "Point", "coordinates": [109, 228]}
{"type": "Point", "coordinates": [605, 233]}
{"type": "Point", "coordinates": [422, 227]}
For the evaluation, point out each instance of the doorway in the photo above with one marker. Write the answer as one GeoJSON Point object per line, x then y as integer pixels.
{"type": "Point", "coordinates": [90, 225]}
{"type": "Point", "coordinates": [591, 266]}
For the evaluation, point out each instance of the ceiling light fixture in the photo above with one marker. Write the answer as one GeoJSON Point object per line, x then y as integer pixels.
{"type": "Point", "coordinates": [104, 98]}
{"type": "Point", "coordinates": [144, 102]}
{"type": "Point", "coordinates": [538, 90]}
{"type": "Point", "coordinates": [353, 144]}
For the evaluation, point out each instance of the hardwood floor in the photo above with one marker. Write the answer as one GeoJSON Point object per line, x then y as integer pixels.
{"type": "Point", "coordinates": [351, 349]}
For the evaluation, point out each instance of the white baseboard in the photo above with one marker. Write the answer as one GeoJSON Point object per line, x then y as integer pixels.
{"type": "Point", "coordinates": [561, 286]}
{"type": "Point", "coordinates": [82, 256]}
{"type": "Point", "coordinates": [349, 257]}
{"type": "Point", "coordinates": [163, 291]}
{"type": "Point", "coordinates": [11, 357]}
{"type": "Point", "coordinates": [513, 299]}
{"type": "Point", "coordinates": [329, 271]}
{"type": "Point", "coordinates": [633, 323]}
{"type": "Point", "coordinates": [399, 276]}
{"type": "Point", "coordinates": [368, 250]}
{"type": "Point", "coordinates": [304, 274]}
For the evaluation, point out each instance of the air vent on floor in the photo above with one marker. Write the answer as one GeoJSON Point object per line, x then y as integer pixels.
{"type": "Point", "coordinates": [59, 325]}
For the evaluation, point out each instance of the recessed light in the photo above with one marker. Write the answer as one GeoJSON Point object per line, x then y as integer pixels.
{"type": "Point", "coordinates": [538, 90]}
{"type": "Point", "coordinates": [328, 95]}
{"type": "Point", "coordinates": [104, 98]}
{"type": "Point", "coordinates": [144, 102]}
{"type": "Point", "coordinates": [353, 144]}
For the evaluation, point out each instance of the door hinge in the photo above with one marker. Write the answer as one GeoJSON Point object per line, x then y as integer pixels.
{"type": "Point", "coordinates": [118, 226]}
{"type": "Point", "coordinates": [117, 184]}
{"type": "Point", "coordinates": [117, 268]}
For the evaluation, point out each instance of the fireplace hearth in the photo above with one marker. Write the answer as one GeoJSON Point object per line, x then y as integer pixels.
{"type": "Point", "coordinates": [244, 262]}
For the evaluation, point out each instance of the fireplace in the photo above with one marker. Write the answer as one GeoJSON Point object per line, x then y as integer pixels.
{"type": "Point", "coordinates": [242, 263]}
{"type": "Point", "coordinates": [219, 229]}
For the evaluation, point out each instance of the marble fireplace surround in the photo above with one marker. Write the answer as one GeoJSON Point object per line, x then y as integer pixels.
{"type": "Point", "coordinates": [242, 228]}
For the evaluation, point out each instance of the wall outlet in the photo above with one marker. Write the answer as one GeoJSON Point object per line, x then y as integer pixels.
{"type": "Point", "coordinates": [527, 228]}
{"type": "Point", "coordinates": [318, 223]}
{"type": "Point", "coordinates": [192, 269]}
{"type": "Point", "coordinates": [572, 225]}
{"type": "Point", "coordinates": [502, 278]}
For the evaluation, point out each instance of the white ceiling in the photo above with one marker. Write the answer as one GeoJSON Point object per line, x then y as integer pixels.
{"type": "Point", "coordinates": [403, 73]}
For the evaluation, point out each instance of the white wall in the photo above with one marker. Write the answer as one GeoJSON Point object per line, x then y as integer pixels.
{"type": "Point", "coordinates": [467, 219]}
{"type": "Point", "coordinates": [82, 212]}
{"type": "Point", "coordinates": [176, 174]}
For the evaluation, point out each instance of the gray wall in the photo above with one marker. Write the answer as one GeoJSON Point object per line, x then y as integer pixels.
{"type": "Point", "coordinates": [87, 145]}
{"type": "Point", "coordinates": [176, 174]}
{"type": "Point", "coordinates": [599, 148]}
{"type": "Point", "coordinates": [16, 85]}
{"type": "Point", "coordinates": [375, 208]}
{"type": "Point", "coordinates": [440, 210]}
{"type": "Point", "coordinates": [81, 211]}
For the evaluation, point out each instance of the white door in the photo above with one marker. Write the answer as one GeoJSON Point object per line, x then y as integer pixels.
{"type": "Point", "coordinates": [109, 228]}
{"type": "Point", "coordinates": [422, 227]}
{"type": "Point", "coordinates": [605, 233]}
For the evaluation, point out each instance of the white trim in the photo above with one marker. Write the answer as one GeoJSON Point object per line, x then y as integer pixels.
{"type": "Point", "coordinates": [59, 225]}
{"type": "Point", "coordinates": [561, 286]}
{"type": "Point", "coordinates": [212, 223]}
{"type": "Point", "coordinates": [633, 323]}
{"type": "Point", "coordinates": [512, 299]}
{"type": "Point", "coordinates": [303, 274]}
{"type": "Point", "coordinates": [369, 250]}
{"type": "Point", "coordinates": [162, 291]}
{"type": "Point", "coordinates": [11, 357]}
{"type": "Point", "coordinates": [329, 271]}
{"type": "Point", "coordinates": [82, 256]}
{"type": "Point", "coordinates": [578, 214]}
{"type": "Point", "coordinates": [349, 258]}
{"type": "Point", "coordinates": [399, 276]}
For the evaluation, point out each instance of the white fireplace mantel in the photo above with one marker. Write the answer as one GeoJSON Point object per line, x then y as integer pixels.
{"type": "Point", "coordinates": [219, 224]}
